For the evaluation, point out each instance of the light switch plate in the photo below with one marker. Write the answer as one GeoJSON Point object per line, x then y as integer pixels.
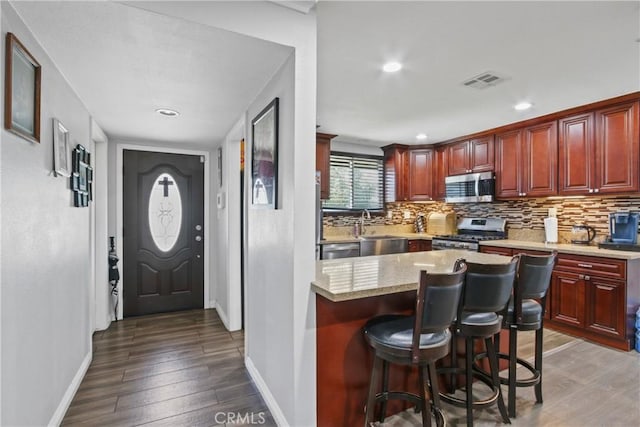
{"type": "Point", "coordinates": [407, 214]}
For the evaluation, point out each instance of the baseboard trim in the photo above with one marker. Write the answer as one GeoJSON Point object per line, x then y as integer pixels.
{"type": "Point", "coordinates": [223, 315]}
{"type": "Point", "coordinates": [57, 417]}
{"type": "Point", "coordinates": [273, 406]}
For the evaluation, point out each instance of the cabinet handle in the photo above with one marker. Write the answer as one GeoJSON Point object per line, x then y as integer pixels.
{"type": "Point", "coordinates": [596, 190]}
{"type": "Point", "coordinates": [591, 190]}
{"type": "Point", "coordinates": [524, 194]}
{"type": "Point", "coordinates": [585, 265]}
{"type": "Point", "coordinates": [587, 278]}
{"type": "Point", "coordinates": [581, 276]}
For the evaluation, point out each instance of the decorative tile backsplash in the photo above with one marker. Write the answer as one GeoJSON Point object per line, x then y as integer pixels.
{"type": "Point", "coordinates": [524, 217]}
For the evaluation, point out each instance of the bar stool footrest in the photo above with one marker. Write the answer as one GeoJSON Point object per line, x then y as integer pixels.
{"type": "Point", "coordinates": [462, 403]}
{"type": "Point", "coordinates": [524, 382]}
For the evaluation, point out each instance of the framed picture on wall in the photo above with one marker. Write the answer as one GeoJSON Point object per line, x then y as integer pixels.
{"type": "Point", "coordinates": [21, 91]}
{"type": "Point", "coordinates": [61, 153]}
{"type": "Point", "coordinates": [264, 157]}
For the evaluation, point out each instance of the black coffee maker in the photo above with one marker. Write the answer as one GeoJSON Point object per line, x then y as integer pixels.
{"type": "Point", "coordinates": [623, 227]}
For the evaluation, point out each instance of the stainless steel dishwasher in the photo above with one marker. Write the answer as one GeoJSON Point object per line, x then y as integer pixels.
{"type": "Point", "coordinates": [340, 250]}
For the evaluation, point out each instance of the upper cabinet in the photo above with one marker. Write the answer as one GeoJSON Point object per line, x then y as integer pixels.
{"type": "Point", "coordinates": [421, 174]}
{"type": "Point", "coordinates": [599, 151]}
{"type": "Point", "coordinates": [475, 155]}
{"type": "Point", "coordinates": [396, 171]}
{"type": "Point", "coordinates": [441, 168]}
{"type": "Point", "coordinates": [526, 162]}
{"type": "Point", "coordinates": [323, 157]}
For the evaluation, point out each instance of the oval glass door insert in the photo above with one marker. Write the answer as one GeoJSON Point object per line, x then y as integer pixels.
{"type": "Point", "coordinates": [165, 212]}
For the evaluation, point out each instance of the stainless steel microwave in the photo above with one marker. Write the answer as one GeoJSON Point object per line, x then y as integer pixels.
{"type": "Point", "coordinates": [469, 188]}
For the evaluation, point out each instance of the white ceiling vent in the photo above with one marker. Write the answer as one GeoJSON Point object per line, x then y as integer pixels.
{"type": "Point", "coordinates": [483, 80]}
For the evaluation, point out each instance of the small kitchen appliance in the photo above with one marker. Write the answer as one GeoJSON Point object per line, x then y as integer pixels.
{"type": "Point", "coordinates": [471, 231]}
{"type": "Point", "coordinates": [582, 234]}
{"type": "Point", "coordinates": [441, 223]}
{"type": "Point", "coordinates": [623, 227]}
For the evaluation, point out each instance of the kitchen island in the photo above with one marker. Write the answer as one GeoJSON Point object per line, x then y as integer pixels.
{"type": "Point", "coordinates": [349, 292]}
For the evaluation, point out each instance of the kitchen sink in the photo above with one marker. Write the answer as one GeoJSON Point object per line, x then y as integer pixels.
{"type": "Point", "coordinates": [382, 244]}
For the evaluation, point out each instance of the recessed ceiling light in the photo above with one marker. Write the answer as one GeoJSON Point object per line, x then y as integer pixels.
{"type": "Point", "coordinates": [392, 67]}
{"type": "Point", "coordinates": [421, 136]}
{"type": "Point", "coordinates": [522, 106]}
{"type": "Point", "coordinates": [167, 112]}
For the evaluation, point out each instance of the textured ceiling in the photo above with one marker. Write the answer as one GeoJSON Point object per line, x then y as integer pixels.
{"type": "Point", "coordinates": [124, 63]}
{"type": "Point", "coordinates": [554, 54]}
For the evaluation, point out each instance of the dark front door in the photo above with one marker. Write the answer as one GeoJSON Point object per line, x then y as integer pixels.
{"type": "Point", "coordinates": [163, 266]}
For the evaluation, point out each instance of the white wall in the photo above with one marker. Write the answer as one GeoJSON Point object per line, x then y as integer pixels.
{"type": "Point", "coordinates": [348, 147]}
{"type": "Point", "coordinates": [45, 258]}
{"type": "Point", "coordinates": [287, 383]}
{"type": "Point", "coordinates": [228, 242]}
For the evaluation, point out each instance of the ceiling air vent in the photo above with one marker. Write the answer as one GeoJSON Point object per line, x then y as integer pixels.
{"type": "Point", "coordinates": [486, 79]}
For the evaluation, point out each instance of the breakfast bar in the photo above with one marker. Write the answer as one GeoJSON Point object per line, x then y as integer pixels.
{"type": "Point", "coordinates": [351, 291]}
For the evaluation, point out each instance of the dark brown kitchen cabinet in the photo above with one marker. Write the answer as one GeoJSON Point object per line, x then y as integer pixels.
{"type": "Point", "coordinates": [526, 162]}
{"type": "Point", "coordinates": [568, 299]}
{"type": "Point", "coordinates": [598, 151]}
{"type": "Point", "coordinates": [475, 155]}
{"type": "Point", "coordinates": [590, 295]}
{"type": "Point", "coordinates": [419, 245]}
{"type": "Point", "coordinates": [441, 168]}
{"type": "Point", "coordinates": [396, 171]}
{"type": "Point", "coordinates": [323, 158]}
{"type": "Point", "coordinates": [421, 175]}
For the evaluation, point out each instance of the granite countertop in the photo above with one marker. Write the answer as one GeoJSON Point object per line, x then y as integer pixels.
{"type": "Point", "coordinates": [350, 239]}
{"type": "Point", "coordinates": [353, 278]}
{"type": "Point", "coordinates": [563, 248]}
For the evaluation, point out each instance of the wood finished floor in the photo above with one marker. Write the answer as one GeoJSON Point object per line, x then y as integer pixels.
{"type": "Point", "coordinates": [584, 385]}
{"type": "Point", "coordinates": [173, 369]}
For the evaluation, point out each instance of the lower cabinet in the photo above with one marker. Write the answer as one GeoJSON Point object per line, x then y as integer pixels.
{"type": "Point", "coordinates": [591, 297]}
{"type": "Point", "coordinates": [418, 245]}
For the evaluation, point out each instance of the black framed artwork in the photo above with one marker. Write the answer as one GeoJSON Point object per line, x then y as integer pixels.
{"type": "Point", "coordinates": [264, 157]}
{"type": "Point", "coordinates": [82, 177]}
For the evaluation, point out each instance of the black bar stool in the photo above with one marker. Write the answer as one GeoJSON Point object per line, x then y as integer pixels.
{"type": "Point", "coordinates": [420, 340]}
{"type": "Point", "coordinates": [525, 312]}
{"type": "Point", "coordinates": [486, 293]}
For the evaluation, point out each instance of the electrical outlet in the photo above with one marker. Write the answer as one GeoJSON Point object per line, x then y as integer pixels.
{"type": "Point", "coordinates": [407, 214]}
{"type": "Point", "coordinates": [389, 214]}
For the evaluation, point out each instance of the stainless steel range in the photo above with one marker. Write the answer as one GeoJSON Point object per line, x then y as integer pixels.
{"type": "Point", "coordinates": [470, 232]}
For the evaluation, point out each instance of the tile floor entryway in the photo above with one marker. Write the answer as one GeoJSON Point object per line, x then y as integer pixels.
{"type": "Point", "coordinates": [172, 369]}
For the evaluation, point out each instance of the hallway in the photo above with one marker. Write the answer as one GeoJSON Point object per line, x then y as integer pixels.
{"type": "Point", "coordinates": [173, 369]}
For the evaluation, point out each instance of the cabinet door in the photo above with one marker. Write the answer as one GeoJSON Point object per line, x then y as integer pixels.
{"type": "Point", "coordinates": [605, 307]}
{"type": "Point", "coordinates": [415, 246]}
{"type": "Point", "coordinates": [481, 153]}
{"type": "Point", "coordinates": [568, 299]}
{"type": "Point", "coordinates": [441, 172]}
{"type": "Point", "coordinates": [617, 149]}
{"type": "Point", "coordinates": [421, 174]}
{"type": "Point", "coordinates": [323, 154]}
{"type": "Point", "coordinates": [540, 155]}
{"type": "Point", "coordinates": [508, 160]}
{"type": "Point", "coordinates": [458, 157]}
{"type": "Point", "coordinates": [576, 157]}
{"type": "Point", "coordinates": [396, 165]}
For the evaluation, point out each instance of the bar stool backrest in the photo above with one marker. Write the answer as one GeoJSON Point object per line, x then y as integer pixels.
{"type": "Point", "coordinates": [534, 275]}
{"type": "Point", "coordinates": [437, 303]}
{"type": "Point", "coordinates": [488, 286]}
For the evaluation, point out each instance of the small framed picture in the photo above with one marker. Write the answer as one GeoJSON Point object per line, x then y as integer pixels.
{"type": "Point", "coordinates": [21, 91]}
{"type": "Point", "coordinates": [61, 153]}
{"type": "Point", "coordinates": [264, 157]}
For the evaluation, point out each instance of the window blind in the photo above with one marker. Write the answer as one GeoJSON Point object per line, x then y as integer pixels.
{"type": "Point", "coordinates": [356, 182]}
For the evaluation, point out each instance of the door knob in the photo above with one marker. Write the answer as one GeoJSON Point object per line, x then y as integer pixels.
{"type": "Point", "coordinates": [198, 227]}
{"type": "Point", "coordinates": [198, 238]}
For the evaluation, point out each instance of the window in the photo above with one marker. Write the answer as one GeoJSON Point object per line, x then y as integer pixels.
{"type": "Point", "coordinates": [355, 182]}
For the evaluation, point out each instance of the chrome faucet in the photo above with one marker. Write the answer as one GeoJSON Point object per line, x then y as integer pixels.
{"type": "Point", "coordinates": [362, 220]}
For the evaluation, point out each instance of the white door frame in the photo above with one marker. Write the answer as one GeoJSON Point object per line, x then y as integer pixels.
{"type": "Point", "coordinates": [120, 204]}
